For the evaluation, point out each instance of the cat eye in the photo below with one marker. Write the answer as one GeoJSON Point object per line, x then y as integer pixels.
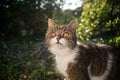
{"type": "Point", "coordinates": [53, 34]}
{"type": "Point", "coordinates": [66, 34]}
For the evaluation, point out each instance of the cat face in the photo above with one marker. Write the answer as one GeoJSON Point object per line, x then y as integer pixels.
{"type": "Point", "coordinates": [61, 36]}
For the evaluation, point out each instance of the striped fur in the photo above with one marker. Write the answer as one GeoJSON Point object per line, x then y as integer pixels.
{"type": "Point", "coordinates": [83, 61]}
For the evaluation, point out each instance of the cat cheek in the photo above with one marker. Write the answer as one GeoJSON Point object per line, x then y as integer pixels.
{"type": "Point", "coordinates": [63, 41]}
{"type": "Point", "coordinates": [53, 41]}
{"type": "Point", "coordinates": [70, 43]}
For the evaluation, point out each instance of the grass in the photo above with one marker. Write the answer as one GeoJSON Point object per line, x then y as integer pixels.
{"type": "Point", "coordinates": [26, 58]}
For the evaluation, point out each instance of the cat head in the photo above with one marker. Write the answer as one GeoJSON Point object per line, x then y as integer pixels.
{"type": "Point", "coordinates": [61, 36]}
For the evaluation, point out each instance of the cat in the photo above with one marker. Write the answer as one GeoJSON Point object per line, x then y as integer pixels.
{"type": "Point", "coordinates": [81, 61]}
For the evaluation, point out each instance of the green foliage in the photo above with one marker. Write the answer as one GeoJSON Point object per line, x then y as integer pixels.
{"type": "Point", "coordinates": [90, 19]}
{"type": "Point", "coordinates": [26, 59]}
{"type": "Point", "coordinates": [63, 17]}
{"type": "Point", "coordinates": [23, 25]}
{"type": "Point", "coordinates": [26, 17]}
{"type": "Point", "coordinates": [115, 41]}
{"type": "Point", "coordinates": [99, 21]}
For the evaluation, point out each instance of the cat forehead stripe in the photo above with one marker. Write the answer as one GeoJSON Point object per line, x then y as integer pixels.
{"type": "Point", "coordinates": [61, 26]}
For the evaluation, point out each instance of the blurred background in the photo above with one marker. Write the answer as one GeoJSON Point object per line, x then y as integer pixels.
{"type": "Point", "coordinates": [23, 24]}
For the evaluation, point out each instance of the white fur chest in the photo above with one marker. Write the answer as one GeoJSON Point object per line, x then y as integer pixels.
{"type": "Point", "coordinates": [63, 58]}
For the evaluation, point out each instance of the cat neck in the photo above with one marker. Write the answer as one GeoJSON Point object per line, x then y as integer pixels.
{"type": "Point", "coordinates": [63, 52]}
{"type": "Point", "coordinates": [64, 57]}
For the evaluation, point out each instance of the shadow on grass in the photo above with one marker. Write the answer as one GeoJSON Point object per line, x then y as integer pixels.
{"type": "Point", "coordinates": [26, 60]}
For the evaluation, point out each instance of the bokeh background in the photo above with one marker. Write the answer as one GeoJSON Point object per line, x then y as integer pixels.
{"type": "Point", "coordinates": [23, 24]}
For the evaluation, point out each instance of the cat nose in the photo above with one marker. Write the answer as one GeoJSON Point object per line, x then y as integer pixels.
{"type": "Point", "coordinates": [58, 38]}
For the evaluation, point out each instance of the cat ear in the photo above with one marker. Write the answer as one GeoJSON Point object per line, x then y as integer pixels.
{"type": "Point", "coordinates": [51, 23]}
{"type": "Point", "coordinates": [73, 24]}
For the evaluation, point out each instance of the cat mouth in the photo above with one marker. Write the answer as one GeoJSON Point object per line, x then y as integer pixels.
{"type": "Point", "coordinates": [59, 43]}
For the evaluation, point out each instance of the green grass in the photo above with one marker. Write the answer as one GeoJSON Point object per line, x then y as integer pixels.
{"type": "Point", "coordinates": [26, 58]}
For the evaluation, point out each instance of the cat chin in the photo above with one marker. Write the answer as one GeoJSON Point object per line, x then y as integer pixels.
{"type": "Point", "coordinates": [59, 46]}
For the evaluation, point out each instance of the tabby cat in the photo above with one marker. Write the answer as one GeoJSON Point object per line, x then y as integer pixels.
{"type": "Point", "coordinates": [83, 61]}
